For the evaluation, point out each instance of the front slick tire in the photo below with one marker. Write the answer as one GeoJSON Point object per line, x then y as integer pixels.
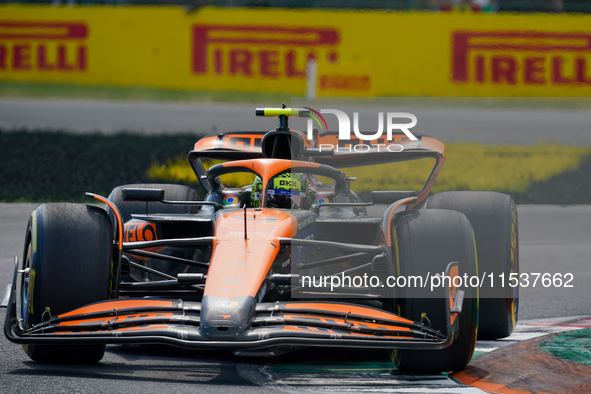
{"type": "Point", "coordinates": [426, 242]}
{"type": "Point", "coordinates": [68, 249]}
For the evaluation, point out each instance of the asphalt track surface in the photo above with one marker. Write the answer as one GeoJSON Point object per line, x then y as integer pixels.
{"type": "Point", "coordinates": [552, 239]}
{"type": "Point", "coordinates": [450, 124]}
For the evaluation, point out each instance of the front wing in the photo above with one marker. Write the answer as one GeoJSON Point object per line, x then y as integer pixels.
{"type": "Point", "coordinates": [177, 322]}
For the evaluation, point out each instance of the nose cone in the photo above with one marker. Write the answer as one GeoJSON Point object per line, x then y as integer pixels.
{"type": "Point", "coordinates": [238, 268]}
{"type": "Point", "coordinates": [226, 318]}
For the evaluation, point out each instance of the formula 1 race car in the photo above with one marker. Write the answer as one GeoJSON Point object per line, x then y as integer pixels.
{"type": "Point", "coordinates": [278, 253]}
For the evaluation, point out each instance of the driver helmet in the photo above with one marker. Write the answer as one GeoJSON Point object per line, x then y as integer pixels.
{"type": "Point", "coordinates": [289, 190]}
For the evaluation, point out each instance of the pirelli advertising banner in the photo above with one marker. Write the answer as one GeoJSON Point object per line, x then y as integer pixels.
{"type": "Point", "coordinates": [353, 53]}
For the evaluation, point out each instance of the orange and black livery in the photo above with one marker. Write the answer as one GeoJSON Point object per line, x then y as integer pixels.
{"type": "Point", "coordinates": [272, 250]}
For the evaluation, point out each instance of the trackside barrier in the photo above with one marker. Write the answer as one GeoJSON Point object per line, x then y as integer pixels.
{"type": "Point", "coordinates": [356, 53]}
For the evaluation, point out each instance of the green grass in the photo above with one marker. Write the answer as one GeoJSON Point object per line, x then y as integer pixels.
{"type": "Point", "coordinates": [105, 92]}
{"type": "Point", "coordinates": [40, 166]}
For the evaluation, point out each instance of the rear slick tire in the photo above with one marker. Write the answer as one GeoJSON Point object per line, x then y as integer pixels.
{"type": "Point", "coordinates": [68, 248]}
{"type": "Point", "coordinates": [494, 219]}
{"type": "Point", "coordinates": [425, 243]}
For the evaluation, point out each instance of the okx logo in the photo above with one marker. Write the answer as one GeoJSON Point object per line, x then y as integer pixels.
{"type": "Point", "coordinates": [393, 128]}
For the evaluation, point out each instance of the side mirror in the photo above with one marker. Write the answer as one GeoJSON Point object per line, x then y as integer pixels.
{"type": "Point", "coordinates": [147, 195]}
{"type": "Point", "coordinates": [390, 196]}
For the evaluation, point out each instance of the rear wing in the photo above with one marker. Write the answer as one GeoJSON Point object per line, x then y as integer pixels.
{"type": "Point", "coordinates": [241, 145]}
{"type": "Point", "coordinates": [326, 149]}
{"type": "Point", "coordinates": [230, 146]}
